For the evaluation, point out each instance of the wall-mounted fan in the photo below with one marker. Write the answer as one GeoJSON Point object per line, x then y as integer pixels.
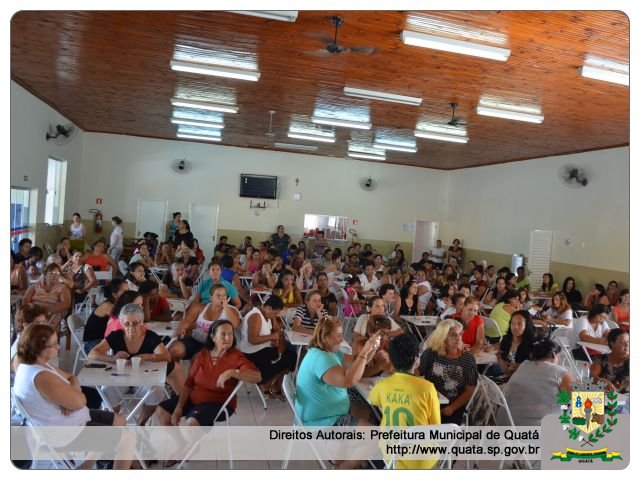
{"type": "Point", "coordinates": [181, 165]}
{"type": "Point", "coordinates": [368, 184]}
{"type": "Point", "coordinates": [61, 134]}
{"type": "Point", "coordinates": [573, 176]}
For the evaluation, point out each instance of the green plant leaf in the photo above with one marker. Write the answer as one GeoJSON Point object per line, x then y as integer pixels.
{"type": "Point", "coordinates": [563, 397]}
{"type": "Point", "coordinates": [564, 418]}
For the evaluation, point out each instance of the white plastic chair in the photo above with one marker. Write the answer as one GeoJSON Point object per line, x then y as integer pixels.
{"type": "Point", "coordinates": [490, 323]}
{"type": "Point", "coordinates": [289, 390]}
{"type": "Point", "coordinates": [76, 328]}
{"type": "Point", "coordinates": [223, 412]}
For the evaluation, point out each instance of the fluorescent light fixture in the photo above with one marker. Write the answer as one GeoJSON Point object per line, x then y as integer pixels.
{"type": "Point", "coordinates": [620, 78]}
{"type": "Point", "coordinates": [199, 137]}
{"type": "Point", "coordinates": [309, 136]}
{"type": "Point", "coordinates": [206, 69]}
{"type": "Point", "coordinates": [455, 46]}
{"type": "Point", "coordinates": [341, 123]}
{"type": "Point", "coordinates": [295, 146]}
{"type": "Point", "coordinates": [282, 15]}
{"type": "Point", "coordinates": [395, 146]}
{"type": "Point", "coordinates": [386, 97]}
{"type": "Point", "coordinates": [196, 123]}
{"type": "Point", "coordinates": [510, 114]}
{"type": "Point", "coordinates": [214, 107]}
{"type": "Point", "coordinates": [367, 156]}
{"type": "Point", "coordinates": [440, 136]}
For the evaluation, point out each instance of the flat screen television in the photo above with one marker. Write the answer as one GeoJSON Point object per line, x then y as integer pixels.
{"type": "Point", "coordinates": [258, 186]}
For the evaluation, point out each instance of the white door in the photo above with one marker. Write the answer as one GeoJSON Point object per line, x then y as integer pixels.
{"type": "Point", "coordinates": [152, 217]}
{"type": "Point", "coordinates": [425, 236]}
{"type": "Point", "coordinates": [203, 220]}
{"type": "Point", "coordinates": [540, 242]}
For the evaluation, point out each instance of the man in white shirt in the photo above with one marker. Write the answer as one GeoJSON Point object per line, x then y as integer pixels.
{"type": "Point", "coordinates": [436, 255]}
{"type": "Point", "coordinates": [368, 279]}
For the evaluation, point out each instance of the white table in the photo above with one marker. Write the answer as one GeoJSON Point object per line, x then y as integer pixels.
{"type": "Point", "coordinates": [164, 329]}
{"type": "Point", "coordinates": [262, 293]}
{"type": "Point", "coordinates": [420, 321]}
{"type": "Point", "coordinates": [299, 340]}
{"type": "Point", "coordinates": [598, 347]}
{"type": "Point", "coordinates": [486, 358]}
{"type": "Point", "coordinates": [149, 374]}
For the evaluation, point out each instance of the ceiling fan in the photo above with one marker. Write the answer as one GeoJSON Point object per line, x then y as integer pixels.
{"type": "Point", "coordinates": [333, 47]}
{"type": "Point", "coordinates": [573, 176]}
{"type": "Point", "coordinates": [455, 121]}
{"type": "Point", "coordinates": [61, 134]}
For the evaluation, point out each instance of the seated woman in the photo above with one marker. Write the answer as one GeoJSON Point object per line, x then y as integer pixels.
{"type": "Point", "coordinates": [81, 274]}
{"type": "Point", "coordinates": [99, 318]}
{"type": "Point", "coordinates": [517, 343]}
{"type": "Point", "coordinates": [262, 341]}
{"type": "Point", "coordinates": [306, 280]}
{"type": "Point", "coordinates": [329, 300]}
{"type": "Point", "coordinates": [198, 251]}
{"type": "Point", "coordinates": [502, 312]}
{"type": "Point", "coordinates": [379, 325]}
{"type": "Point", "coordinates": [451, 369]}
{"type": "Point", "coordinates": [64, 249]}
{"type": "Point", "coordinates": [352, 267]}
{"type": "Point", "coordinates": [165, 255]}
{"type": "Point", "coordinates": [612, 292]}
{"type": "Point", "coordinates": [573, 296]}
{"type": "Point", "coordinates": [591, 328]}
{"type": "Point", "coordinates": [336, 263]}
{"type": "Point", "coordinates": [136, 276]}
{"type": "Point", "coordinates": [614, 367]}
{"type": "Point", "coordinates": [548, 287]}
{"type": "Point", "coordinates": [176, 283]}
{"type": "Point", "coordinates": [135, 341]}
{"type": "Point", "coordinates": [125, 298]}
{"type": "Point", "coordinates": [254, 262]}
{"type": "Point", "coordinates": [238, 267]}
{"type": "Point", "coordinates": [287, 291]}
{"type": "Point", "coordinates": [325, 258]}
{"type": "Point", "coordinates": [52, 397]}
{"type": "Point", "coordinates": [25, 316]}
{"type": "Point", "coordinates": [408, 304]}
{"type": "Point", "coordinates": [19, 281]}
{"type": "Point", "coordinates": [308, 314]}
{"type": "Point", "coordinates": [143, 256]}
{"type": "Point", "coordinates": [352, 304]}
{"type": "Point", "coordinates": [597, 295]}
{"type": "Point", "coordinates": [473, 335]}
{"type": "Point", "coordinates": [182, 233]}
{"type": "Point", "coordinates": [192, 331]}
{"type": "Point", "coordinates": [264, 278]}
{"type": "Point", "coordinates": [77, 232]}
{"type": "Point", "coordinates": [525, 300]}
{"type": "Point", "coordinates": [50, 293]}
{"type": "Point", "coordinates": [560, 313]}
{"type": "Point", "coordinates": [278, 266]}
{"type": "Point", "coordinates": [99, 260]}
{"type": "Point", "coordinates": [621, 313]}
{"type": "Point", "coordinates": [376, 307]}
{"type": "Point", "coordinates": [214, 373]}
{"type": "Point", "coordinates": [204, 287]}
{"type": "Point", "coordinates": [34, 264]}
{"type": "Point", "coordinates": [324, 376]}
{"type": "Point", "coordinates": [532, 389]}
{"type": "Point", "coordinates": [156, 308]}
{"type": "Point", "coordinates": [191, 264]}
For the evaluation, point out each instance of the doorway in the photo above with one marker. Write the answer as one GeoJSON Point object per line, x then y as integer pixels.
{"type": "Point", "coordinates": [425, 235]}
{"type": "Point", "coordinates": [204, 226]}
{"type": "Point", "coordinates": [152, 217]}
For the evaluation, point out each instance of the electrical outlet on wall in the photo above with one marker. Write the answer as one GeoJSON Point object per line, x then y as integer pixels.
{"type": "Point", "coordinates": [26, 178]}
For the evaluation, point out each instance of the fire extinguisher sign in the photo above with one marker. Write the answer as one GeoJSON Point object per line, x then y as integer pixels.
{"type": "Point", "coordinates": [98, 201]}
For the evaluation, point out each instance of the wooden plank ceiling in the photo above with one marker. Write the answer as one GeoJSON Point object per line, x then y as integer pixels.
{"type": "Point", "coordinates": [110, 72]}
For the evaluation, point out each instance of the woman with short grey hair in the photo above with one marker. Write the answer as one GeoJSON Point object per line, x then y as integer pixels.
{"type": "Point", "coordinates": [135, 341]}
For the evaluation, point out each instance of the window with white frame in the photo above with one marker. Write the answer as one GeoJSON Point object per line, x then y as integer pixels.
{"type": "Point", "coordinates": [334, 227]}
{"type": "Point", "coordinates": [56, 183]}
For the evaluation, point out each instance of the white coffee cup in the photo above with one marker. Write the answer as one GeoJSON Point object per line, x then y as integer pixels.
{"type": "Point", "coordinates": [135, 362]}
{"type": "Point", "coordinates": [120, 363]}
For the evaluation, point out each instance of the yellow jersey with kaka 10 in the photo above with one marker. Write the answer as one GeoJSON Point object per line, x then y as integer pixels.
{"type": "Point", "coordinates": [407, 401]}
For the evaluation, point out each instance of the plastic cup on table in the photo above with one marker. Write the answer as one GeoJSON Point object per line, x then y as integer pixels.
{"type": "Point", "coordinates": [135, 362]}
{"type": "Point", "coordinates": [120, 363]}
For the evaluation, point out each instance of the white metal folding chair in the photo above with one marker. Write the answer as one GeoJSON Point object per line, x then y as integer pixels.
{"type": "Point", "coordinates": [76, 329]}
{"type": "Point", "coordinates": [289, 389]}
{"type": "Point", "coordinates": [222, 416]}
{"type": "Point", "coordinates": [492, 324]}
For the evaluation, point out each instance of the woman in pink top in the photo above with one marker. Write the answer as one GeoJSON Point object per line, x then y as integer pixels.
{"type": "Point", "coordinates": [51, 293]}
{"type": "Point", "coordinates": [621, 312]}
{"type": "Point", "coordinates": [352, 304]}
{"type": "Point", "coordinates": [130, 296]}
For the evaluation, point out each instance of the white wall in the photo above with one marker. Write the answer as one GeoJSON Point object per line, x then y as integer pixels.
{"type": "Point", "coordinates": [493, 208]}
{"type": "Point", "coordinates": [122, 169]}
{"type": "Point", "coordinates": [30, 120]}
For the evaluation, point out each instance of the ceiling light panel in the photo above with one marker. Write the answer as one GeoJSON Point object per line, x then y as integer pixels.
{"type": "Point", "coordinates": [207, 132]}
{"type": "Point", "coordinates": [193, 114]}
{"type": "Point", "coordinates": [217, 54]}
{"type": "Point", "coordinates": [367, 156]}
{"type": "Point", "coordinates": [441, 136]}
{"type": "Point", "coordinates": [339, 122]}
{"type": "Point", "coordinates": [199, 137]}
{"type": "Point", "coordinates": [396, 147]}
{"type": "Point", "coordinates": [455, 46]}
{"type": "Point", "coordinates": [214, 107]}
{"type": "Point", "coordinates": [382, 96]}
{"type": "Point", "coordinates": [205, 69]}
{"type": "Point", "coordinates": [425, 23]}
{"type": "Point", "coordinates": [510, 114]}
{"type": "Point", "coordinates": [282, 15]}
{"type": "Point", "coordinates": [295, 146]}
{"type": "Point", "coordinates": [610, 76]}
{"type": "Point", "coordinates": [309, 136]}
